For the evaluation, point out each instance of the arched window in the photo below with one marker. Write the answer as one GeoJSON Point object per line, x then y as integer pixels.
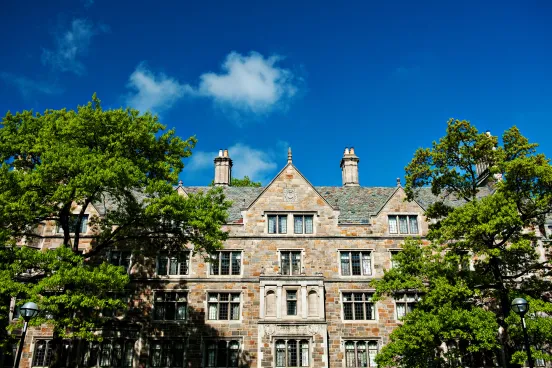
{"type": "Point", "coordinates": [270, 303]}
{"type": "Point", "coordinates": [313, 304]}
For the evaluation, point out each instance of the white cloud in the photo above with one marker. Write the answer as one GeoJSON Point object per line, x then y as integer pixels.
{"type": "Point", "coordinates": [257, 164]}
{"type": "Point", "coordinates": [27, 86]}
{"type": "Point", "coordinates": [154, 93]}
{"type": "Point", "coordinates": [71, 45]}
{"type": "Point", "coordinates": [249, 83]}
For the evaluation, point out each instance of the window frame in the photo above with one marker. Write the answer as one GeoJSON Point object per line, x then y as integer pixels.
{"type": "Point", "coordinates": [84, 355]}
{"type": "Point", "coordinates": [278, 216]}
{"type": "Point", "coordinates": [291, 252]}
{"type": "Point", "coordinates": [370, 252]}
{"type": "Point", "coordinates": [229, 303]}
{"type": "Point", "coordinates": [355, 342]}
{"type": "Point", "coordinates": [216, 342]}
{"type": "Point", "coordinates": [364, 302]}
{"type": "Point", "coordinates": [398, 231]}
{"type": "Point", "coordinates": [164, 343]}
{"type": "Point", "coordinates": [218, 259]}
{"type": "Point", "coordinates": [303, 224]}
{"type": "Point", "coordinates": [392, 253]}
{"type": "Point", "coordinates": [121, 252]}
{"type": "Point", "coordinates": [176, 302]}
{"type": "Point", "coordinates": [170, 257]}
{"type": "Point", "coordinates": [298, 340]}
{"type": "Point", "coordinates": [403, 300]}
{"type": "Point", "coordinates": [84, 224]}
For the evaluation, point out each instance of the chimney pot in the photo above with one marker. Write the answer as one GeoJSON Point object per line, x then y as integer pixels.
{"type": "Point", "coordinates": [346, 151]}
{"type": "Point", "coordinates": [349, 168]}
{"type": "Point", "coordinates": [220, 153]}
{"type": "Point", "coordinates": [223, 169]}
{"type": "Point", "coordinates": [225, 153]}
{"type": "Point", "coordinates": [352, 151]}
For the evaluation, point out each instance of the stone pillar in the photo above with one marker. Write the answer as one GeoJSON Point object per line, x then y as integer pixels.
{"type": "Point", "coordinates": [349, 168]}
{"type": "Point", "coordinates": [304, 304]}
{"type": "Point", "coordinates": [279, 302]}
{"type": "Point", "coordinates": [223, 169]}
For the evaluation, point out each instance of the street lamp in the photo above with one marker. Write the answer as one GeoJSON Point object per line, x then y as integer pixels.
{"type": "Point", "coordinates": [521, 306]}
{"type": "Point", "coordinates": [28, 311]}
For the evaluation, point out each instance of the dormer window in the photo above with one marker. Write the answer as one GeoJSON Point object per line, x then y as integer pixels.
{"type": "Point", "coordinates": [403, 224]}
{"type": "Point", "coordinates": [277, 224]}
{"type": "Point", "coordinates": [73, 224]}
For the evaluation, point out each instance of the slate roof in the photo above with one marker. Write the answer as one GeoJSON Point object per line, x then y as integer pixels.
{"type": "Point", "coordinates": [355, 204]}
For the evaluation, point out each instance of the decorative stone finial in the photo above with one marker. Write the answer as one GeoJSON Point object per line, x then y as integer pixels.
{"type": "Point", "coordinates": [289, 155]}
{"type": "Point", "coordinates": [180, 183]}
{"type": "Point", "coordinates": [398, 182]}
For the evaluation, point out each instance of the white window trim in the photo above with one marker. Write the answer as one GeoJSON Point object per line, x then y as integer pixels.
{"type": "Point", "coordinates": [222, 321]}
{"type": "Point", "coordinates": [372, 268]}
{"type": "Point", "coordinates": [170, 276]}
{"type": "Point", "coordinates": [275, 338]}
{"type": "Point", "coordinates": [398, 234]}
{"type": "Point", "coordinates": [302, 250]}
{"type": "Point", "coordinates": [291, 222]}
{"type": "Point", "coordinates": [362, 321]}
{"type": "Point", "coordinates": [395, 304]}
{"type": "Point", "coordinates": [209, 265]}
{"type": "Point", "coordinates": [204, 342]}
{"type": "Point", "coordinates": [182, 321]}
{"type": "Point", "coordinates": [376, 339]}
{"type": "Point", "coordinates": [391, 251]}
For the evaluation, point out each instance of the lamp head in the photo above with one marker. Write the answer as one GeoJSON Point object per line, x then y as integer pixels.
{"type": "Point", "coordinates": [520, 306]}
{"type": "Point", "coordinates": [28, 311]}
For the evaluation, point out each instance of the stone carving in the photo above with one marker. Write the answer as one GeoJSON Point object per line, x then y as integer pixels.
{"type": "Point", "coordinates": [290, 195]}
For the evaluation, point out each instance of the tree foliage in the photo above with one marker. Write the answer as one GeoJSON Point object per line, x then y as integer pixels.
{"type": "Point", "coordinates": [62, 164]}
{"type": "Point", "coordinates": [486, 247]}
{"type": "Point", "coordinates": [245, 182]}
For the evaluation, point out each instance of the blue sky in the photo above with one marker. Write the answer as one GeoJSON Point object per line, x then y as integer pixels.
{"type": "Point", "coordinates": [256, 76]}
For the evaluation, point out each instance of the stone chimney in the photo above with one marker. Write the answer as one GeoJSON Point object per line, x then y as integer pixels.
{"type": "Point", "coordinates": [481, 168]}
{"type": "Point", "coordinates": [349, 168]}
{"type": "Point", "coordinates": [223, 169]}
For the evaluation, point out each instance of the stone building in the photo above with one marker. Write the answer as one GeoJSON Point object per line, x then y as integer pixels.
{"type": "Point", "coordinates": [290, 289]}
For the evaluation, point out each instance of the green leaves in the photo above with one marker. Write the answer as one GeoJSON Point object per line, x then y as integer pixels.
{"type": "Point", "coordinates": [484, 252]}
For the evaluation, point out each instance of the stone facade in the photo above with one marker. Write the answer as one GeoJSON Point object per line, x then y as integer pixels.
{"type": "Point", "coordinates": [293, 291]}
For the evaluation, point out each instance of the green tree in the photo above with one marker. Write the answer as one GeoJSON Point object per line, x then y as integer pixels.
{"type": "Point", "coordinates": [245, 182]}
{"type": "Point", "coordinates": [58, 165]}
{"type": "Point", "coordinates": [490, 202]}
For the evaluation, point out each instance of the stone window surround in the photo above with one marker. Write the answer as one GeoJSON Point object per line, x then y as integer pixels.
{"type": "Point", "coordinates": [405, 302]}
{"type": "Point", "coordinates": [208, 264]}
{"type": "Point", "coordinates": [277, 337]}
{"type": "Point", "coordinates": [152, 311]}
{"type": "Point", "coordinates": [203, 346]}
{"type": "Point", "coordinates": [280, 250]}
{"type": "Point", "coordinates": [398, 230]}
{"type": "Point", "coordinates": [189, 251]}
{"type": "Point", "coordinates": [290, 222]}
{"type": "Point", "coordinates": [303, 289]}
{"type": "Point", "coordinates": [149, 342]}
{"type": "Point", "coordinates": [372, 253]}
{"type": "Point", "coordinates": [391, 251]}
{"type": "Point", "coordinates": [223, 321]}
{"type": "Point", "coordinates": [376, 339]}
{"type": "Point", "coordinates": [362, 321]}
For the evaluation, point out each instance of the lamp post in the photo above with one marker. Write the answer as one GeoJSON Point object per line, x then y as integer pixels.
{"type": "Point", "coordinates": [521, 306]}
{"type": "Point", "coordinates": [28, 311]}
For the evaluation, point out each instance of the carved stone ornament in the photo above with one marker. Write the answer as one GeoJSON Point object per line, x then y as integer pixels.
{"type": "Point", "coordinates": [290, 195]}
{"type": "Point", "coordinates": [270, 330]}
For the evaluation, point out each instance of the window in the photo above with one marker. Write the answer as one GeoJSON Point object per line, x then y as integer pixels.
{"type": "Point", "coordinates": [17, 303]}
{"type": "Point", "coordinates": [173, 265]}
{"type": "Point", "coordinates": [403, 224]}
{"type": "Point", "coordinates": [291, 302]}
{"type": "Point", "coordinates": [43, 353]}
{"type": "Point", "coordinates": [358, 306]}
{"type": "Point", "coordinates": [292, 353]}
{"type": "Point", "coordinates": [394, 262]}
{"type": "Point", "coordinates": [405, 303]}
{"type": "Point", "coordinates": [73, 224]}
{"type": "Point", "coordinates": [277, 224]}
{"type": "Point", "coordinates": [356, 263]}
{"type": "Point", "coordinates": [167, 354]}
{"type": "Point", "coordinates": [222, 354]}
{"type": "Point", "coordinates": [108, 353]}
{"type": "Point", "coordinates": [170, 306]}
{"type": "Point", "coordinates": [303, 224]}
{"type": "Point", "coordinates": [224, 306]}
{"type": "Point", "coordinates": [226, 263]}
{"type": "Point", "coordinates": [290, 262]}
{"type": "Point", "coordinates": [361, 353]}
{"type": "Point", "coordinates": [120, 258]}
